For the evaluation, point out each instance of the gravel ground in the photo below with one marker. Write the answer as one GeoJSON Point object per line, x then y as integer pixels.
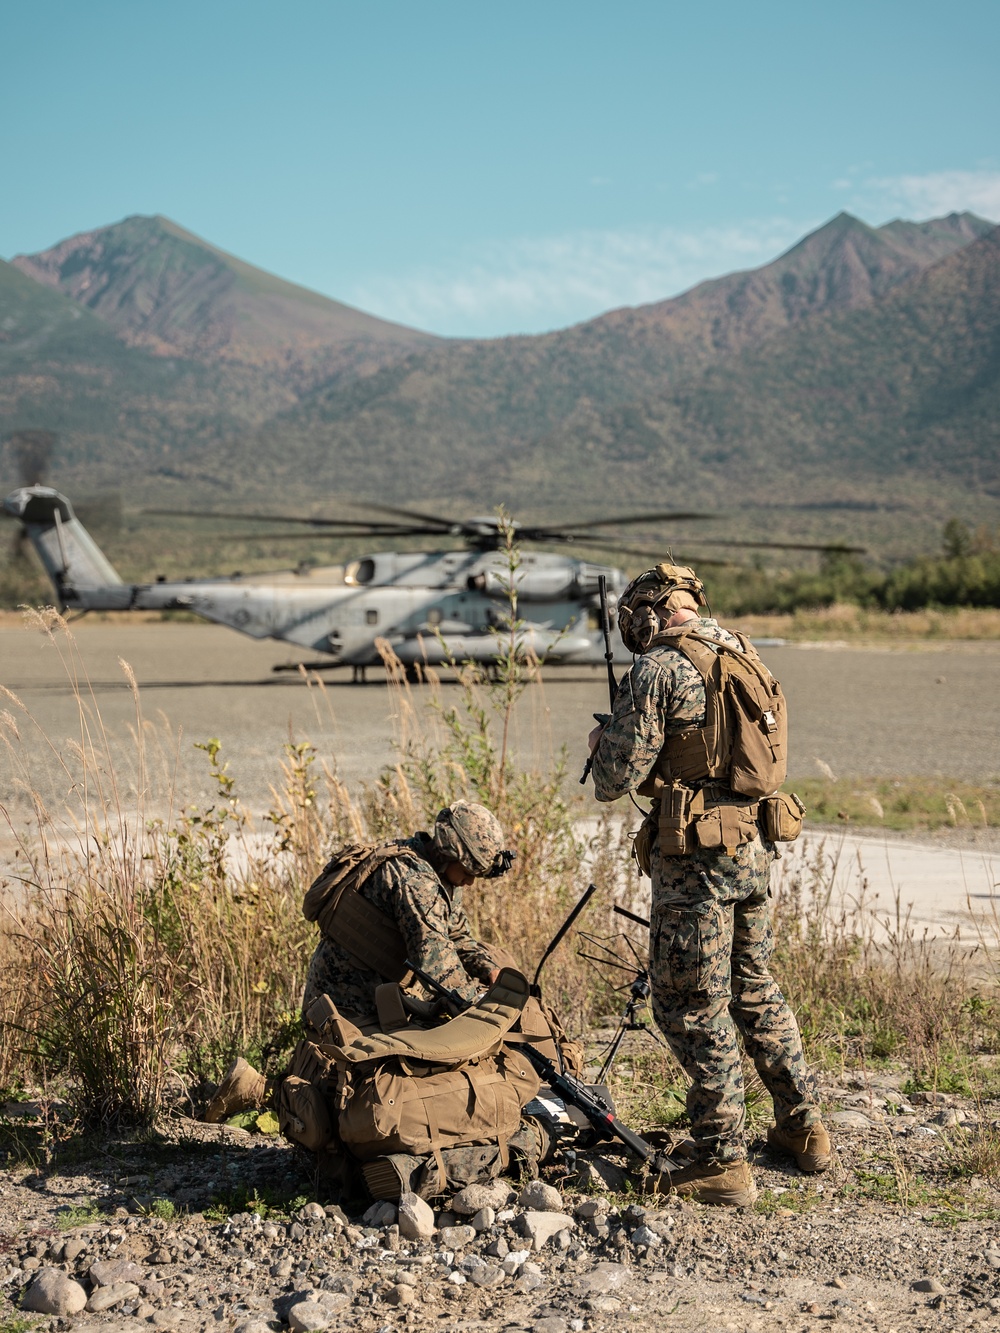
{"type": "Point", "coordinates": [814, 1250]}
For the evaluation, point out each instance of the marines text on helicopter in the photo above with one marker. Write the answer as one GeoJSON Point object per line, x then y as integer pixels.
{"type": "Point", "coordinates": [430, 607]}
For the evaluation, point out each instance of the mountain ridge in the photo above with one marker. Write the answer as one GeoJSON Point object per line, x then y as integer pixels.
{"type": "Point", "coordinates": [136, 375]}
{"type": "Point", "coordinates": [162, 288]}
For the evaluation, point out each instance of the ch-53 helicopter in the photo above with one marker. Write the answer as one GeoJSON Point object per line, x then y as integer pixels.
{"type": "Point", "coordinates": [431, 607]}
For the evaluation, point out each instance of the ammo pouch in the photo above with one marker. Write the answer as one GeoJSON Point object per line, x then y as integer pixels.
{"type": "Point", "coordinates": [781, 816]}
{"type": "Point", "coordinates": [688, 820]}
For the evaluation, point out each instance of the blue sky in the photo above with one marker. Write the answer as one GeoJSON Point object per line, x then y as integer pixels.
{"type": "Point", "coordinates": [485, 169]}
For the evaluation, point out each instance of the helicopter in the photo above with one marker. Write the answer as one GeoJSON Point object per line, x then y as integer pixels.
{"type": "Point", "coordinates": [432, 608]}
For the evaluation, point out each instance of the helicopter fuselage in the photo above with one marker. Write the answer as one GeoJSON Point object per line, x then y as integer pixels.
{"type": "Point", "coordinates": [428, 607]}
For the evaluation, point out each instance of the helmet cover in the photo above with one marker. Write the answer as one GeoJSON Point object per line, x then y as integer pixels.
{"type": "Point", "coordinates": [642, 602]}
{"type": "Point", "coordinates": [471, 835]}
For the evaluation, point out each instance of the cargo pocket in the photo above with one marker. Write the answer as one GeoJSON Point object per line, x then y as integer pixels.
{"type": "Point", "coordinates": [687, 948]}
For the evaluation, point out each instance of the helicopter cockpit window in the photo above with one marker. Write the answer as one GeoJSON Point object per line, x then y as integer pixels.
{"type": "Point", "coordinates": [371, 616]}
{"type": "Point", "coordinates": [360, 571]}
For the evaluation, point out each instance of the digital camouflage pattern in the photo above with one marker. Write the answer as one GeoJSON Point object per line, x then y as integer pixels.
{"type": "Point", "coordinates": [710, 932]}
{"type": "Point", "coordinates": [410, 889]}
{"type": "Point", "coordinates": [469, 834]}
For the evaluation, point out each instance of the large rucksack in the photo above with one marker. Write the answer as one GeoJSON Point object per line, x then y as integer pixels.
{"type": "Point", "coordinates": [413, 1092]}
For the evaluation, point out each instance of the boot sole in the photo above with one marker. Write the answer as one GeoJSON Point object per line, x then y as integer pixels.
{"type": "Point", "coordinates": [726, 1198]}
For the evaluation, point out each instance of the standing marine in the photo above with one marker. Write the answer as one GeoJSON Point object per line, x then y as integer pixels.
{"type": "Point", "coordinates": [698, 726]}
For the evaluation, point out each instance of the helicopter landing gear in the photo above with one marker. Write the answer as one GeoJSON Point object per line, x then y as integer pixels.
{"type": "Point", "coordinates": [359, 675]}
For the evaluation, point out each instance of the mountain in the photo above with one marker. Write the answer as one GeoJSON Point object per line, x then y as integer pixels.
{"type": "Point", "coordinates": [846, 378]}
{"type": "Point", "coordinates": [163, 289]}
{"type": "Point", "coordinates": [891, 406]}
{"type": "Point", "coordinates": [466, 419]}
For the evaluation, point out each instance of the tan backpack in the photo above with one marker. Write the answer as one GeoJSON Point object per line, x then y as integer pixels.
{"type": "Point", "coordinates": [744, 742]}
{"type": "Point", "coordinates": [415, 1091]}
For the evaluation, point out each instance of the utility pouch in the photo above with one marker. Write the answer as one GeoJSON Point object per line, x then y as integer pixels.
{"type": "Point", "coordinates": [642, 843]}
{"type": "Point", "coordinates": [724, 826]}
{"type": "Point", "coordinates": [781, 816]}
{"type": "Point", "coordinates": [673, 819]}
{"type": "Point", "coordinates": [302, 1114]}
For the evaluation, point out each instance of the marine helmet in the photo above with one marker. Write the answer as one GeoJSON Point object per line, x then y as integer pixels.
{"type": "Point", "coordinates": [469, 834]}
{"type": "Point", "coordinates": [645, 599]}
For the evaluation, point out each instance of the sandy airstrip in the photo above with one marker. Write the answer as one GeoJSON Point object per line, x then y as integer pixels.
{"type": "Point", "coordinates": [928, 709]}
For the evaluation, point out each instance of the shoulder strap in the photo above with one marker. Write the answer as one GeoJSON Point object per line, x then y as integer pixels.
{"type": "Point", "coordinates": [347, 869]}
{"type": "Point", "coordinates": [454, 1042]}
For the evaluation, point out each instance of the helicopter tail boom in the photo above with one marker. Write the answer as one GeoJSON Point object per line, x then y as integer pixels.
{"type": "Point", "coordinates": [81, 574]}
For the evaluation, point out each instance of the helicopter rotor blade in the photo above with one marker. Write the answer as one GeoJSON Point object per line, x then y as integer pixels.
{"type": "Point", "coordinates": [622, 548]}
{"type": "Point", "coordinates": [624, 520]}
{"type": "Point", "coordinates": [377, 529]}
{"type": "Point", "coordinates": [441, 524]}
{"type": "Point", "coordinates": [283, 537]}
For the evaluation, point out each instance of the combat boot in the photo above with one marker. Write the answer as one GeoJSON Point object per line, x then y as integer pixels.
{"type": "Point", "coordinates": [810, 1147]}
{"type": "Point", "coordinates": [727, 1183]}
{"type": "Point", "coordinates": [241, 1089]}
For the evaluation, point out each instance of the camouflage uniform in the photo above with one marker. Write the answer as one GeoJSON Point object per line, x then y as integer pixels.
{"type": "Point", "coordinates": [409, 888]}
{"type": "Point", "coordinates": [710, 932]}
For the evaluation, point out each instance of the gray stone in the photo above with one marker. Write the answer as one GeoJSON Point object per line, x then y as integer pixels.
{"type": "Point", "coordinates": [453, 1238]}
{"type": "Point", "coordinates": [253, 1326]}
{"type": "Point", "coordinates": [52, 1292]}
{"type": "Point", "coordinates": [540, 1227]}
{"type": "Point", "coordinates": [106, 1272]}
{"type": "Point", "coordinates": [312, 1213]}
{"type": "Point", "coordinates": [494, 1194]}
{"type": "Point", "coordinates": [486, 1276]}
{"type": "Point", "coordinates": [591, 1208]}
{"type": "Point", "coordinates": [597, 1173]}
{"type": "Point", "coordinates": [552, 1323]}
{"type": "Point", "coordinates": [604, 1278]}
{"type": "Point", "coordinates": [73, 1249]}
{"type": "Point", "coordinates": [498, 1249]}
{"type": "Point", "coordinates": [403, 1294]}
{"type": "Point", "coordinates": [484, 1219]}
{"type": "Point", "coordinates": [514, 1260]}
{"type": "Point", "coordinates": [851, 1120]}
{"type": "Point", "coordinates": [539, 1197]}
{"type": "Point", "coordinates": [529, 1280]}
{"type": "Point", "coordinates": [604, 1304]}
{"type": "Point", "coordinates": [331, 1300]}
{"type": "Point", "coordinates": [930, 1284]}
{"type": "Point", "coordinates": [992, 1257]}
{"type": "Point", "coordinates": [106, 1298]}
{"type": "Point", "coordinates": [947, 1118]}
{"type": "Point", "coordinates": [646, 1236]}
{"type": "Point", "coordinates": [380, 1214]}
{"type": "Point", "coordinates": [308, 1317]}
{"type": "Point", "coordinates": [416, 1218]}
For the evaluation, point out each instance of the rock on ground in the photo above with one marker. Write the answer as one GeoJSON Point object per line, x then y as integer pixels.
{"type": "Point", "coordinates": [52, 1292]}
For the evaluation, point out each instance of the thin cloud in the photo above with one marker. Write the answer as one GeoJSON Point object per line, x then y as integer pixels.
{"type": "Point", "coordinates": [531, 284]}
{"type": "Point", "coordinates": [934, 194]}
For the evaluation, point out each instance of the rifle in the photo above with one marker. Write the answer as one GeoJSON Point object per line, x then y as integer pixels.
{"type": "Point", "coordinates": [577, 1094]}
{"type": "Point", "coordinates": [609, 658]}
